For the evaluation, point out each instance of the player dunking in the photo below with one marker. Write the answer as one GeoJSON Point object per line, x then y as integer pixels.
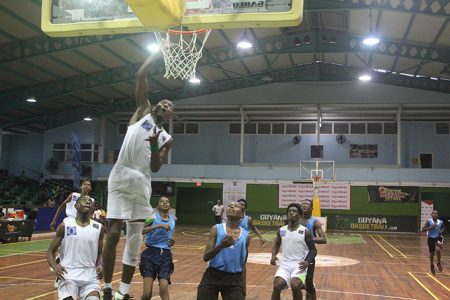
{"type": "Point", "coordinates": [144, 148]}
{"type": "Point", "coordinates": [81, 240]}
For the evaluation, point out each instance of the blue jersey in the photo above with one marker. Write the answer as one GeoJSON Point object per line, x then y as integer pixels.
{"type": "Point", "coordinates": [310, 226]}
{"type": "Point", "coordinates": [159, 237]}
{"type": "Point", "coordinates": [434, 233]}
{"type": "Point", "coordinates": [244, 222]}
{"type": "Point", "coordinates": [230, 259]}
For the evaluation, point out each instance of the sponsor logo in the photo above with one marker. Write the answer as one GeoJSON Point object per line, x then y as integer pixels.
{"type": "Point", "coordinates": [146, 125]}
{"type": "Point", "coordinates": [72, 230]}
{"type": "Point", "coordinates": [282, 232]}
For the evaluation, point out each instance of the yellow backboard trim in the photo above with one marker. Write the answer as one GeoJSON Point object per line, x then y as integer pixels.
{"type": "Point", "coordinates": [215, 21]}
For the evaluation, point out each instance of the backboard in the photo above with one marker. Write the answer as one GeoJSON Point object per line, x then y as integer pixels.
{"type": "Point", "coordinates": [320, 168]}
{"type": "Point", "coordinates": [93, 17]}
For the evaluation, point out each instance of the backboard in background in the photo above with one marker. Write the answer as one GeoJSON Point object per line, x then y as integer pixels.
{"type": "Point", "coordinates": [93, 17]}
{"type": "Point", "coordinates": [312, 168]}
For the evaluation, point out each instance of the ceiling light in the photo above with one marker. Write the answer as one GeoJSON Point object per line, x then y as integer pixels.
{"type": "Point", "coordinates": [31, 100]}
{"type": "Point", "coordinates": [244, 42]}
{"type": "Point", "coordinates": [371, 40]}
{"type": "Point", "coordinates": [307, 40]}
{"type": "Point", "coordinates": [365, 77]}
{"type": "Point", "coordinates": [153, 47]}
{"type": "Point", "coordinates": [297, 42]}
{"type": "Point", "coordinates": [194, 80]}
{"type": "Point", "coordinates": [87, 119]}
{"type": "Point", "coordinates": [267, 78]}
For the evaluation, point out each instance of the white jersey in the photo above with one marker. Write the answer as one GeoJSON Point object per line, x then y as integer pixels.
{"type": "Point", "coordinates": [80, 248]}
{"type": "Point", "coordinates": [71, 211]}
{"type": "Point", "coordinates": [293, 245]}
{"type": "Point", "coordinates": [135, 151]}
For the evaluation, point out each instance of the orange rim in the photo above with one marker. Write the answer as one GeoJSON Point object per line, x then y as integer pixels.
{"type": "Point", "coordinates": [196, 31]}
{"type": "Point", "coordinates": [316, 178]}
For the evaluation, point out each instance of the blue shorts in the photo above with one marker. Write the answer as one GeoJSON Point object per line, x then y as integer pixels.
{"type": "Point", "coordinates": [156, 263]}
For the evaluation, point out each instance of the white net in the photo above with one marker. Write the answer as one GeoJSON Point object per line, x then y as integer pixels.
{"type": "Point", "coordinates": [181, 51]}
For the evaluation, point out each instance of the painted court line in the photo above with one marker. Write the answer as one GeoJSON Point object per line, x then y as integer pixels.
{"type": "Point", "coordinates": [29, 279]}
{"type": "Point", "coordinates": [423, 286]}
{"type": "Point", "coordinates": [23, 264]}
{"type": "Point", "coordinates": [401, 253]}
{"type": "Point", "coordinates": [381, 246]}
{"type": "Point", "coordinates": [439, 282]}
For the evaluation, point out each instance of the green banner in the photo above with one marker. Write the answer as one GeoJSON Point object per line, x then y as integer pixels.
{"type": "Point", "coordinates": [268, 219]}
{"type": "Point", "coordinates": [373, 223]}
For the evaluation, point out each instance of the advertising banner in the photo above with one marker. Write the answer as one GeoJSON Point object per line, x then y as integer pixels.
{"type": "Point", "coordinates": [363, 151]}
{"type": "Point", "coordinates": [332, 195]}
{"type": "Point", "coordinates": [373, 223]}
{"type": "Point", "coordinates": [425, 211]}
{"type": "Point", "coordinates": [382, 193]}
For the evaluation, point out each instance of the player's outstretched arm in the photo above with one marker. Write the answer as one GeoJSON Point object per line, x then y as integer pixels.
{"type": "Point", "coordinates": [59, 211]}
{"type": "Point", "coordinates": [54, 245]}
{"type": "Point", "coordinates": [141, 91]}
{"type": "Point", "coordinates": [99, 263]}
{"type": "Point", "coordinates": [158, 157]}
{"type": "Point", "coordinates": [255, 230]}
{"type": "Point", "coordinates": [322, 238]}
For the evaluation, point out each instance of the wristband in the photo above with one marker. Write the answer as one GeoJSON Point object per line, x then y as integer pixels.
{"type": "Point", "coordinates": [154, 148]}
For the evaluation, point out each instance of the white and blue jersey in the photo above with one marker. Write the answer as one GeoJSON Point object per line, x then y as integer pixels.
{"type": "Point", "coordinates": [244, 222]}
{"type": "Point", "coordinates": [159, 237]}
{"type": "Point", "coordinates": [230, 259]}
{"type": "Point", "coordinates": [434, 233]}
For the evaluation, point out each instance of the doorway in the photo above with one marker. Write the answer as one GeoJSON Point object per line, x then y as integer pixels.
{"type": "Point", "coordinates": [426, 160]}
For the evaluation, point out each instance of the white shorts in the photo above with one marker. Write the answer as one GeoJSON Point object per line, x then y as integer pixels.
{"type": "Point", "coordinates": [129, 192]}
{"type": "Point", "coordinates": [289, 271]}
{"type": "Point", "coordinates": [75, 289]}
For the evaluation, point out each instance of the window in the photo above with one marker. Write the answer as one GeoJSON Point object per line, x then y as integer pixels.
{"type": "Point", "coordinates": [374, 128]}
{"type": "Point", "coordinates": [63, 152]}
{"type": "Point", "coordinates": [185, 128]}
{"type": "Point", "coordinates": [292, 128]}
{"type": "Point", "coordinates": [122, 127]}
{"type": "Point", "coordinates": [308, 128]}
{"type": "Point", "coordinates": [234, 128]}
{"type": "Point", "coordinates": [249, 128]}
{"type": "Point", "coordinates": [341, 128]}
{"type": "Point", "coordinates": [264, 128]}
{"type": "Point", "coordinates": [278, 128]}
{"type": "Point", "coordinates": [358, 128]}
{"type": "Point", "coordinates": [192, 128]}
{"type": "Point", "coordinates": [390, 128]}
{"type": "Point", "coordinates": [327, 128]}
{"type": "Point", "coordinates": [442, 128]}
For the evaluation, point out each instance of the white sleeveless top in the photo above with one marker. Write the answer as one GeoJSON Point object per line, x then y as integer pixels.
{"type": "Point", "coordinates": [71, 211]}
{"type": "Point", "coordinates": [293, 245]}
{"type": "Point", "coordinates": [80, 248]}
{"type": "Point", "coordinates": [135, 151]}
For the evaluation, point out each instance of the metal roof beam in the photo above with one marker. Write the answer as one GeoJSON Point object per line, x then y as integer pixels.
{"type": "Point", "coordinates": [433, 8]}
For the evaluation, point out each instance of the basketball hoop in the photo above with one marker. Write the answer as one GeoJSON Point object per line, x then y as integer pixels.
{"type": "Point", "coordinates": [316, 179]}
{"type": "Point", "coordinates": [182, 49]}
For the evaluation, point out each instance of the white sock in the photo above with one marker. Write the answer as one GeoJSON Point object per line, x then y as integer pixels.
{"type": "Point", "coordinates": [108, 285]}
{"type": "Point", "coordinates": [124, 288]}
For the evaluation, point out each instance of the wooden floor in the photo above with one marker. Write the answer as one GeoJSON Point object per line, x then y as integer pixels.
{"type": "Point", "coordinates": [387, 266]}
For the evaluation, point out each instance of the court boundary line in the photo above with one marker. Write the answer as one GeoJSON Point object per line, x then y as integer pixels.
{"type": "Point", "coordinates": [23, 264]}
{"type": "Point", "coordinates": [438, 281]}
{"type": "Point", "coordinates": [401, 253]}
{"type": "Point", "coordinates": [423, 286]}
{"type": "Point", "coordinates": [23, 278]}
{"type": "Point", "coordinates": [381, 246]}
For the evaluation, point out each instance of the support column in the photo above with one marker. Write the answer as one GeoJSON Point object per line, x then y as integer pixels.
{"type": "Point", "coordinates": [169, 156]}
{"type": "Point", "coordinates": [241, 151]}
{"type": "Point", "coordinates": [399, 136]}
{"type": "Point", "coordinates": [102, 148]}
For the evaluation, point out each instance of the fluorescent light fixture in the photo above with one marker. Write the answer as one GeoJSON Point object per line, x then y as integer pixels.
{"type": "Point", "coordinates": [87, 119]}
{"type": "Point", "coordinates": [153, 47]}
{"type": "Point", "coordinates": [244, 44]}
{"type": "Point", "coordinates": [371, 41]}
{"type": "Point", "coordinates": [31, 100]}
{"type": "Point", "coordinates": [365, 77]}
{"type": "Point", "coordinates": [194, 80]}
